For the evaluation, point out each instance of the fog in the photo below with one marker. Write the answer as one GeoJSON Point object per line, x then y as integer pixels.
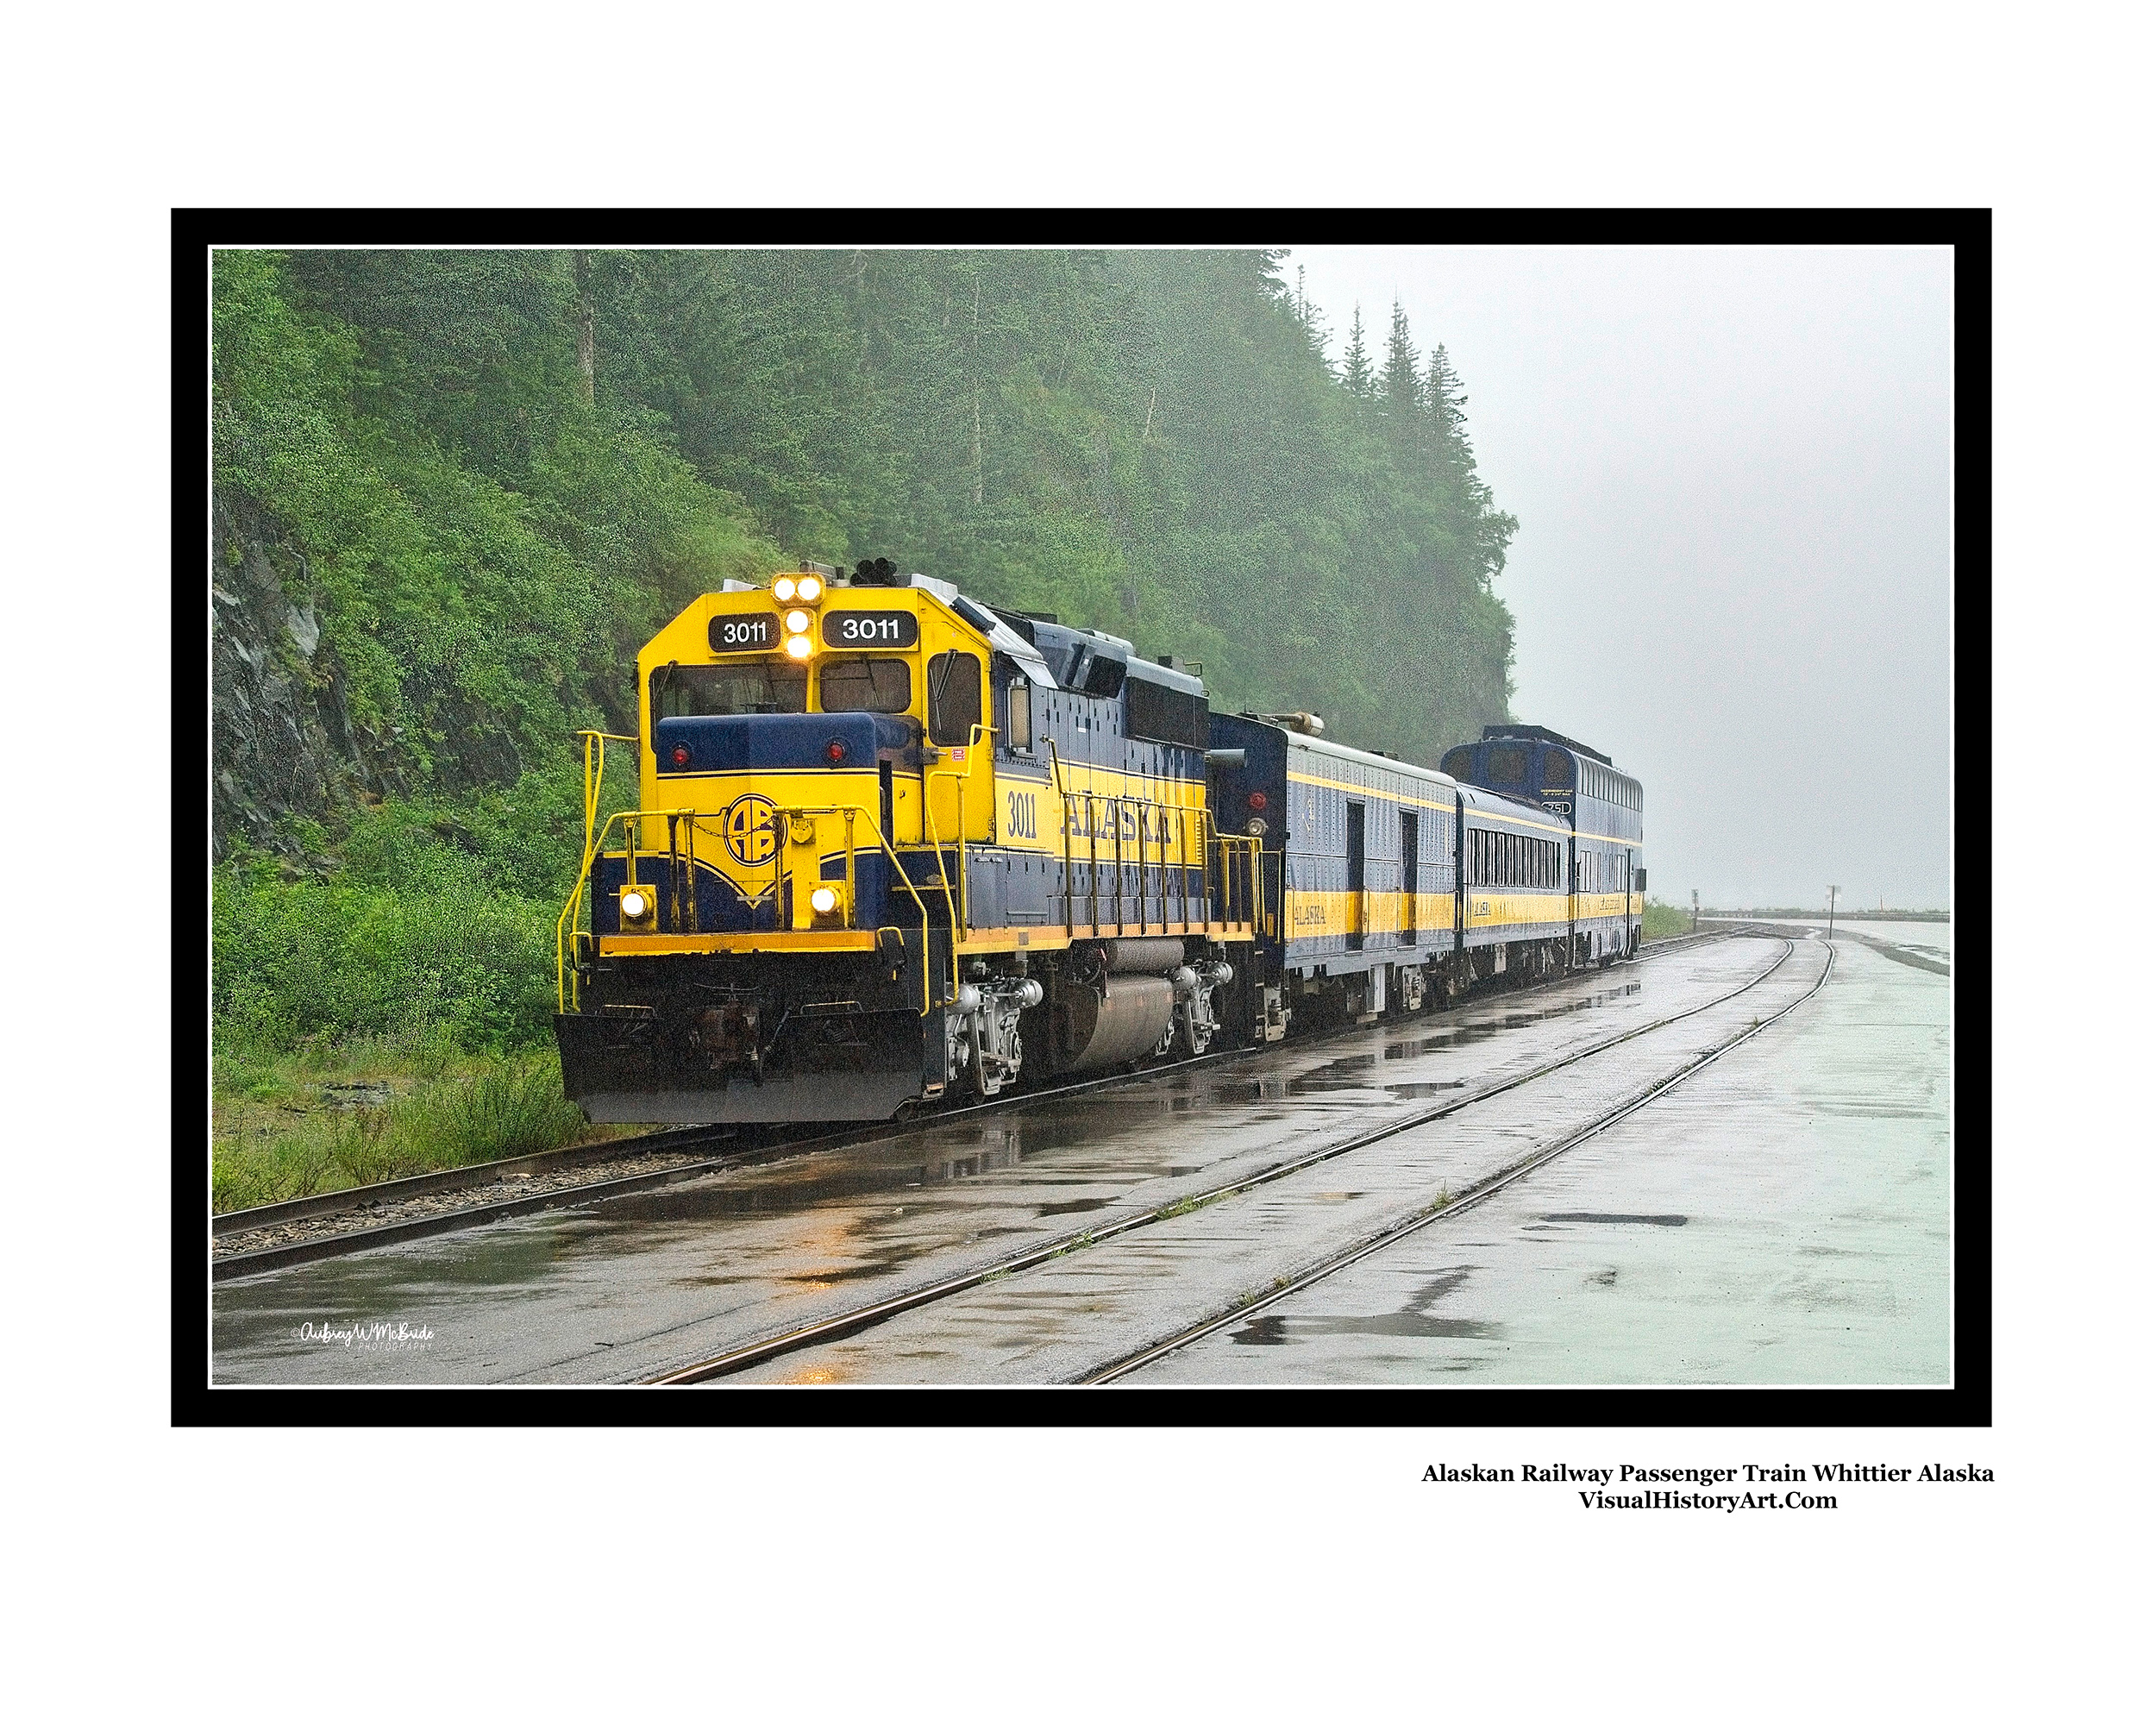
{"type": "Point", "coordinates": [1731, 471]}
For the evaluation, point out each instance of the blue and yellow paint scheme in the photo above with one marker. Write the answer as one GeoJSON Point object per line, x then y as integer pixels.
{"type": "Point", "coordinates": [1603, 807]}
{"type": "Point", "coordinates": [1392, 878]}
{"type": "Point", "coordinates": [865, 811]}
{"type": "Point", "coordinates": [887, 845]}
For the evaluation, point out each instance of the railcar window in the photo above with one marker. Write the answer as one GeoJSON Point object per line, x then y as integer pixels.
{"type": "Point", "coordinates": [1508, 764]}
{"type": "Point", "coordinates": [718, 691]}
{"type": "Point", "coordinates": [865, 686]}
{"type": "Point", "coordinates": [954, 698]}
{"type": "Point", "coordinates": [1556, 771]}
{"type": "Point", "coordinates": [1459, 763]}
{"type": "Point", "coordinates": [1020, 706]}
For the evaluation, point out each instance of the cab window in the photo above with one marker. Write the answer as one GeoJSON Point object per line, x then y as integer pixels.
{"type": "Point", "coordinates": [1508, 764]}
{"type": "Point", "coordinates": [865, 686]}
{"type": "Point", "coordinates": [1020, 713]}
{"type": "Point", "coordinates": [954, 698]}
{"type": "Point", "coordinates": [710, 691]}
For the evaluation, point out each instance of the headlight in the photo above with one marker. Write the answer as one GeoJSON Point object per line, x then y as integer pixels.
{"type": "Point", "coordinates": [633, 907]}
{"type": "Point", "coordinates": [823, 901]}
{"type": "Point", "coordinates": [797, 623]}
{"type": "Point", "coordinates": [1255, 827]}
{"type": "Point", "coordinates": [784, 588]}
{"type": "Point", "coordinates": [808, 590]}
{"type": "Point", "coordinates": [798, 646]}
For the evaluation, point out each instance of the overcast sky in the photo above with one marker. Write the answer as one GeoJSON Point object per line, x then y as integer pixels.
{"type": "Point", "coordinates": [1730, 469]}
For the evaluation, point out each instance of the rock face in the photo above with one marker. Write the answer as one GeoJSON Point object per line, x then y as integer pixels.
{"type": "Point", "coordinates": [282, 740]}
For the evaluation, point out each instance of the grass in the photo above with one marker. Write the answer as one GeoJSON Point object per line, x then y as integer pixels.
{"type": "Point", "coordinates": [393, 1021]}
{"type": "Point", "coordinates": [1663, 922]}
{"type": "Point", "coordinates": [277, 1133]}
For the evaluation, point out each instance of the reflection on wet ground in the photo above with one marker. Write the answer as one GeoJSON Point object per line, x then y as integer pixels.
{"type": "Point", "coordinates": [1062, 1321]}
{"type": "Point", "coordinates": [745, 1251]}
{"type": "Point", "coordinates": [1802, 1234]}
{"type": "Point", "coordinates": [1271, 1331]}
{"type": "Point", "coordinates": [1414, 1318]}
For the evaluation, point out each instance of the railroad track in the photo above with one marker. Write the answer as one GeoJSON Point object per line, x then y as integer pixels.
{"type": "Point", "coordinates": [1476, 1194]}
{"type": "Point", "coordinates": [862, 1318]}
{"type": "Point", "coordinates": [760, 1146]}
{"type": "Point", "coordinates": [745, 1147]}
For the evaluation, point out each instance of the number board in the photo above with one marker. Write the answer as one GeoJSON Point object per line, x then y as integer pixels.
{"type": "Point", "coordinates": [749, 633]}
{"type": "Point", "coordinates": [870, 629]}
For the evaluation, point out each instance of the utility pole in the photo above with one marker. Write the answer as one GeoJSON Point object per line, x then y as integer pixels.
{"type": "Point", "coordinates": [1695, 910]}
{"type": "Point", "coordinates": [1830, 891]}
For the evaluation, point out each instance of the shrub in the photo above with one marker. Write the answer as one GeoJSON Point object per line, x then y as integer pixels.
{"type": "Point", "coordinates": [334, 960]}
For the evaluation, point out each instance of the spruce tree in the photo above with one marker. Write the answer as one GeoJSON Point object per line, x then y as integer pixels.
{"type": "Point", "coordinates": [1403, 380]}
{"type": "Point", "coordinates": [1355, 362]}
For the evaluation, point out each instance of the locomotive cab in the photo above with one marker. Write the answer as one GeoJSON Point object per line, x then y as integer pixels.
{"type": "Point", "coordinates": [884, 840]}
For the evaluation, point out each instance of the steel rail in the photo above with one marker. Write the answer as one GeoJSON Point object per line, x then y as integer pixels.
{"type": "Point", "coordinates": [1476, 1194]}
{"type": "Point", "coordinates": [355, 1198]}
{"type": "Point", "coordinates": [338, 1245]}
{"type": "Point", "coordinates": [845, 1324]}
{"type": "Point", "coordinates": [456, 1179]}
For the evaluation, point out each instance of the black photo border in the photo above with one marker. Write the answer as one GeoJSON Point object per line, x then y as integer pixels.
{"type": "Point", "coordinates": [1967, 1402]}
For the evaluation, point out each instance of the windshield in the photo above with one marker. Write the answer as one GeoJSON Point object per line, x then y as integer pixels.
{"type": "Point", "coordinates": [865, 686]}
{"type": "Point", "coordinates": [1508, 764]}
{"type": "Point", "coordinates": [748, 685]}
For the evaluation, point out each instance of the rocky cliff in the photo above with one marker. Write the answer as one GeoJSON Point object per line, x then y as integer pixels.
{"type": "Point", "coordinates": [283, 747]}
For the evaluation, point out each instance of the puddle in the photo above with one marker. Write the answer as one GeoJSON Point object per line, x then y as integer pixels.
{"type": "Point", "coordinates": [1274, 1331]}
{"type": "Point", "coordinates": [1612, 1216]}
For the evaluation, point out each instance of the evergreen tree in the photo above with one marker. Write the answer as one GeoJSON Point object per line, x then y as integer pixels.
{"type": "Point", "coordinates": [1445, 405]}
{"type": "Point", "coordinates": [1402, 390]}
{"type": "Point", "coordinates": [506, 468]}
{"type": "Point", "coordinates": [1355, 364]}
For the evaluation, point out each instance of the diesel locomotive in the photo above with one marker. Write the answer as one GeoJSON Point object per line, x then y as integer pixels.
{"type": "Point", "coordinates": [891, 846]}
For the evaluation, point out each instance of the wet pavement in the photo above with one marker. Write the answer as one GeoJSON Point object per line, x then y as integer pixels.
{"type": "Point", "coordinates": [1065, 1318]}
{"type": "Point", "coordinates": [1782, 1218]}
{"type": "Point", "coordinates": [1933, 940]}
{"type": "Point", "coordinates": [624, 1289]}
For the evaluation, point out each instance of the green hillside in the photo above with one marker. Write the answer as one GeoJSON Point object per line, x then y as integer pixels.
{"type": "Point", "coordinates": [456, 491]}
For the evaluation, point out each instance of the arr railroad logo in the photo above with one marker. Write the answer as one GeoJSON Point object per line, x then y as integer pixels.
{"type": "Point", "coordinates": [751, 825]}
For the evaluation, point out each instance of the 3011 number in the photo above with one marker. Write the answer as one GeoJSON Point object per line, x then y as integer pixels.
{"type": "Point", "coordinates": [742, 634]}
{"type": "Point", "coordinates": [870, 629]}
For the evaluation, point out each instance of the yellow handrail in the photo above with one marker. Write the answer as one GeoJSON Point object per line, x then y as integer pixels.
{"type": "Point", "coordinates": [564, 986]}
{"type": "Point", "coordinates": [1230, 846]}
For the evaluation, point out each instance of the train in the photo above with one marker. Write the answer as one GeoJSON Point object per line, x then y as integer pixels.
{"type": "Point", "coordinates": [891, 848]}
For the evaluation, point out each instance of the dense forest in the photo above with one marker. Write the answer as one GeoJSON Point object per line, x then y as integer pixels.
{"type": "Point", "coordinates": [455, 491]}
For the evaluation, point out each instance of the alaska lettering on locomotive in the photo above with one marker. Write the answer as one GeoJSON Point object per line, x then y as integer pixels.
{"type": "Point", "coordinates": [890, 846]}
